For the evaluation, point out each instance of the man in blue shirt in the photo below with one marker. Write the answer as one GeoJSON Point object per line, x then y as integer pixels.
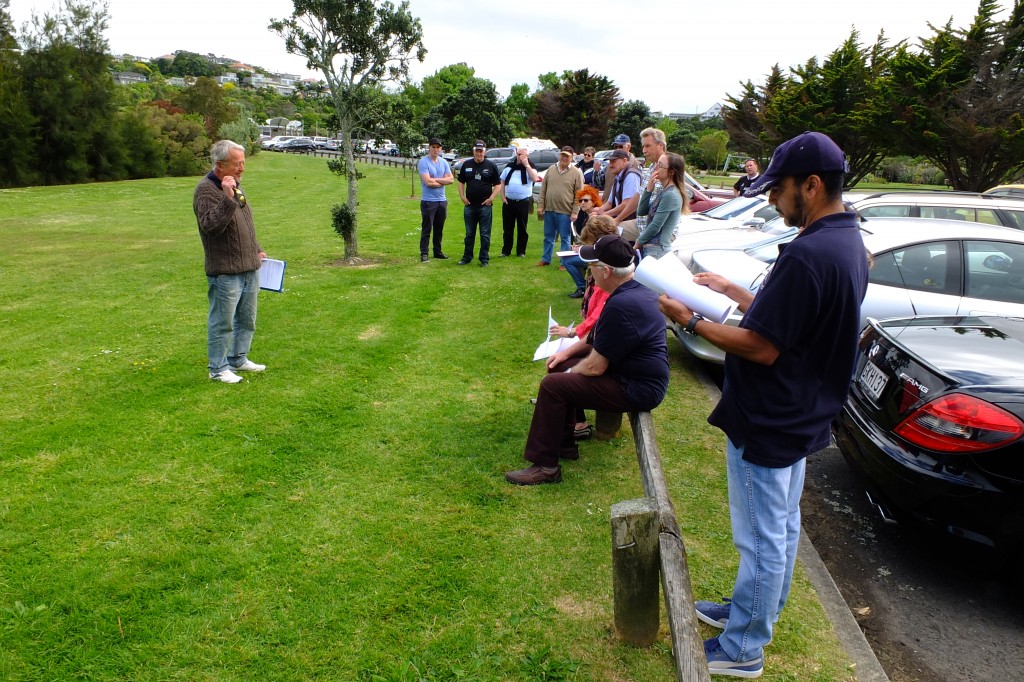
{"type": "Point", "coordinates": [516, 190]}
{"type": "Point", "coordinates": [787, 372]}
{"type": "Point", "coordinates": [435, 174]}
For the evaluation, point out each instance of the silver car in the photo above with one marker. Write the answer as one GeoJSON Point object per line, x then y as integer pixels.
{"type": "Point", "coordinates": [922, 266]}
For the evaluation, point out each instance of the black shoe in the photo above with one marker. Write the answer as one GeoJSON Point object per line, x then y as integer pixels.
{"type": "Point", "coordinates": [463, 262]}
{"type": "Point", "coordinates": [440, 256]}
{"type": "Point", "coordinates": [576, 294]}
{"type": "Point", "coordinates": [423, 258]}
{"type": "Point", "coordinates": [504, 255]}
{"type": "Point", "coordinates": [484, 264]}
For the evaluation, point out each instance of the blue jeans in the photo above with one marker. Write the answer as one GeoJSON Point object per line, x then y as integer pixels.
{"type": "Point", "coordinates": [477, 215]}
{"type": "Point", "coordinates": [232, 320]}
{"type": "Point", "coordinates": [555, 223]}
{"type": "Point", "coordinates": [764, 505]}
{"type": "Point", "coordinates": [577, 269]}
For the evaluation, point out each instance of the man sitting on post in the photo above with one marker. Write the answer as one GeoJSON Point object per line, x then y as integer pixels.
{"type": "Point", "coordinates": [623, 367]}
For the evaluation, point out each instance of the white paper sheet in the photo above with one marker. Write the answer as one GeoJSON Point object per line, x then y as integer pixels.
{"type": "Point", "coordinates": [668, 275]}
{"type": "Point", "coordinates": [272, 274]}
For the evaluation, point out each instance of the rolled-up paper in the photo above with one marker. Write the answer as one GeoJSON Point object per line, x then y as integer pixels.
{"type": "Point", "coordinates": [668, 275]}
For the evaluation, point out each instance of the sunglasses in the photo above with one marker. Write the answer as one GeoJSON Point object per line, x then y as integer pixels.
{"type": "Point", "coordinates": [618, 146]}
{"type": "Point", "coordinates": [239, 197]}
{"type": "Point", "coordinates": [584, 200]}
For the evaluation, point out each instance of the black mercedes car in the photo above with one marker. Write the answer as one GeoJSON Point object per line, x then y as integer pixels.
{"type": "Point", "coordinates": [935, 422]}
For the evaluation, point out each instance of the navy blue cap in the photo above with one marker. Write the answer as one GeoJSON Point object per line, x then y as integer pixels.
{"type": "Point", "coordinates": [806, 153]}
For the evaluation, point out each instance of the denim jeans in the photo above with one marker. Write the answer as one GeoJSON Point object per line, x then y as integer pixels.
{"type": "Point", "coordinates": [232, 319]}
{"type": "Point", "coordinates": [432, 215]}
{"type": "Point", "coordinates": [577, 269]}
{"type": "Point", "coordinates": [555, 224]}
{"type": "Point", "coordinates": [764, 505]}
{"type": "Point", "coordinates": [474, 216]}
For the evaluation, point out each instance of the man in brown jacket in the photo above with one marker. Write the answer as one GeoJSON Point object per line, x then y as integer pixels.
{"type": "Point", "coordinates": [233, 257]}
{"type": "Point", "coordinates": [557, 205]}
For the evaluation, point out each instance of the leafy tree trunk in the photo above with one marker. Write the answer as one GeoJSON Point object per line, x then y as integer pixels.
{"type": "Point", "coordinates": [356, 45]}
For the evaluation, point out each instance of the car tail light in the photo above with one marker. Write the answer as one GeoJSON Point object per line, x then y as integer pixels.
{"type": "Point", "coordinates": [960, 423]}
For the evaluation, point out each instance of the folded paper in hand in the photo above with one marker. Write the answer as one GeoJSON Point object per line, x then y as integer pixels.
{"type": "Point", "coordinates": [551, 346]}
{"type": "Point", "coordinates": [272, 274]}
{"type": "Point", "coordinates": [667, 275]}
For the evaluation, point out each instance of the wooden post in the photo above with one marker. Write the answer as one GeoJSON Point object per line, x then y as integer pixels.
{"type": "Point", "coordinates": [635, 526]}
{"type": "Point", "coordinates": [607, 425]}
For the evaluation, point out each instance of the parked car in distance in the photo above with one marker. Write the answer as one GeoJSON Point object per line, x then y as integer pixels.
{"type": "Point", "coordinates": [298, 144]}
{"type": "Point", "coordinates": [276, 140]}
{"type": "Point", "coordinates": [542, 159]}
{"type": "Point", "coordinates": [332, 145]}
{"type": "Point", "coordinates": [935, 423]}
{"type": "Point", "coordinates": [1016, 191]}
{"type": "Point", "coordinates": [992, 209]}
{"type": "Point", "coordinates": [320, 142]}
{"type": "Point", "coordinates": [501, 156]}
{"type": "Point", "coordinates": [922, 266]}
{"type": "Point", "coordinates": [449, 156]}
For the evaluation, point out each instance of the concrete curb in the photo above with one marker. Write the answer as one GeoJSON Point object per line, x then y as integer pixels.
{"type": "Point", "coordinates": [865, 664]}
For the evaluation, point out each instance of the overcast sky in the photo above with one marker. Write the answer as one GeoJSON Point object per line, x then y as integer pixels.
{"type": "Point", "coordinates": [674, 55]}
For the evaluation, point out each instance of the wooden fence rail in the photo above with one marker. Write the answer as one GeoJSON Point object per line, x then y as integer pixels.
{"type": "Point", "coordinates": [629, 539]}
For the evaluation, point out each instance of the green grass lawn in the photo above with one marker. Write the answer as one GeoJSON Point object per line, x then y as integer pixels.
{"type": "Point", "coordinates": [342, 516]}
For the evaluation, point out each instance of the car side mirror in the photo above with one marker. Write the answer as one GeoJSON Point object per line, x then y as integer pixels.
{"type": "Point", "coordinates": [997, 262]}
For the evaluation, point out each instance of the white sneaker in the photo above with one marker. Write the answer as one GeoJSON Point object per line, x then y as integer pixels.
{"type": "Point", "coordinates": [248, 366]}
{"type": "Point", "coordinates": [226, 376]}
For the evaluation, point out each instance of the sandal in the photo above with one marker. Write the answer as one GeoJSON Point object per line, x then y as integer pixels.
{"type": "Point", "coordinates": [583, 434]}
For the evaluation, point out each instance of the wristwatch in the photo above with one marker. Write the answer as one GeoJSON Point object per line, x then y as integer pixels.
{"type": "Point", "coordinates": [691, 326]}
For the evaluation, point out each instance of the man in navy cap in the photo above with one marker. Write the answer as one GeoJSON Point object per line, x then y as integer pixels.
{"type": "Point", "coordinates": [787, 371]}
{"type": "Point", "coordinates": [622, 366]}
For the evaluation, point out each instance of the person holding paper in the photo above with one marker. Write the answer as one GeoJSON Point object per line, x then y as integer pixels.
{"type": "Point", "coordinates": [625, 367]}
{"type": "Point", "coordinates": [787, 372]}
{"type": "Point", "coordinates": [660, 228]}
{"type": "Point", "coordinates": [232, 258]}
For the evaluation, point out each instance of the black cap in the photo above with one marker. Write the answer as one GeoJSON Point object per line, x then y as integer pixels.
{"type": "Point", "coordinates": [567, 150]}
{"type": "Point", "coordinates": [611, 250]}
{"type": "Point", "coordinates": [479, 144]}
{"type": "Point", "coordinates": [618, 154]}
{"type": "Point", "coordinates": [433, 141]}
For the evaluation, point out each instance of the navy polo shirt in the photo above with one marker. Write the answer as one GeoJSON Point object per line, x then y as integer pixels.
{"type": "Point", "coordinates": [809, 308]}
{"type": "Point", "coordinates": [479, 179]}
{"type": "Point", "coordinates": [630, 334]}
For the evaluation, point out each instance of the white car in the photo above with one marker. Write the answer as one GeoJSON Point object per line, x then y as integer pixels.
{"type": "Point", "coordinates": [922, 266]}
{"type": "Point", "coordinates": [274, 141]}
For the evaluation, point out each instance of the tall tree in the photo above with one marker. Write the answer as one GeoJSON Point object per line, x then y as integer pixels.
{"type": "Point", "coordinates": [71, 95]}
{"type": "Point", "coordinates": [630, 118]}
{"type": "Point", "coordinates": [836, 98]}
{"type": "Point", "coordinates": [356, 45]}
{"type": "Point", "coordinates": [958, 101]}
{"type": "Point", "coordinates": [744, 117]}
{"type": "Point", "coordinates": [578, 110]}
{"type": "Point", "coordinates": [207, 99]}
{"type": "Point", "coordinates": [519, 106]}
{"type": "Point", "coordinates": [17, 129]}
{"type": "Point", "coordinates": [471, 113]}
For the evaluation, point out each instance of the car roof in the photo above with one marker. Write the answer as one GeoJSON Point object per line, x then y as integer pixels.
{"type": "Point", "coordinates": [942, 198]}
{"type": "Point", "coordinates": [885, 233]}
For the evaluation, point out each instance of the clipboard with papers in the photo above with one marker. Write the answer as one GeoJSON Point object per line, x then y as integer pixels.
{"type": "Point", "coordinates": [272, 274]}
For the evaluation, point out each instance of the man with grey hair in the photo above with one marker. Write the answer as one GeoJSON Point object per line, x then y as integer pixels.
{"type": "Point", "coordinates": [622, 366]}
{"type": "Point", "coordinates": [233, 257]}
{"type": "Point", "coordinates": [654, 145]}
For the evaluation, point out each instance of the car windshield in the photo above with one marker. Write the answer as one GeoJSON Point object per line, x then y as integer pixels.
{"type": "Point", "coordinates": [768, 251]}
{"type": "Point", "coordinates": [733, 208]}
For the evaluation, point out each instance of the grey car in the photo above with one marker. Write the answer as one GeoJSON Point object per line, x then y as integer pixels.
{"type": "Point", "coordinates": [922, 266]}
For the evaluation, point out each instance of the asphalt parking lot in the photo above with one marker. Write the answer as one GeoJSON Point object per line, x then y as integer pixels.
{"type": "Point", "coordinates": [933, 609]}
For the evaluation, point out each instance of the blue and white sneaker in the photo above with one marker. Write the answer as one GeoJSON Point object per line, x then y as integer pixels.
{"type": "Point", "coordinates": [713, 613]}
{"type": "Point", "coordinates": [719, 662]}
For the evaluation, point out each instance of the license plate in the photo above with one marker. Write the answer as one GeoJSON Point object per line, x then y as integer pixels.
{"type": "Point", "coordinates": [872, 381]}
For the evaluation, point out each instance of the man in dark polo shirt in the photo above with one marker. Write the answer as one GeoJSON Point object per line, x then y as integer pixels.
{"type": "Point", "coordinates": [478, 187]}
{"type": "Point", "coordinates": [787, 371]}
{"type": "Point", "coordinates": [623, 368]}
